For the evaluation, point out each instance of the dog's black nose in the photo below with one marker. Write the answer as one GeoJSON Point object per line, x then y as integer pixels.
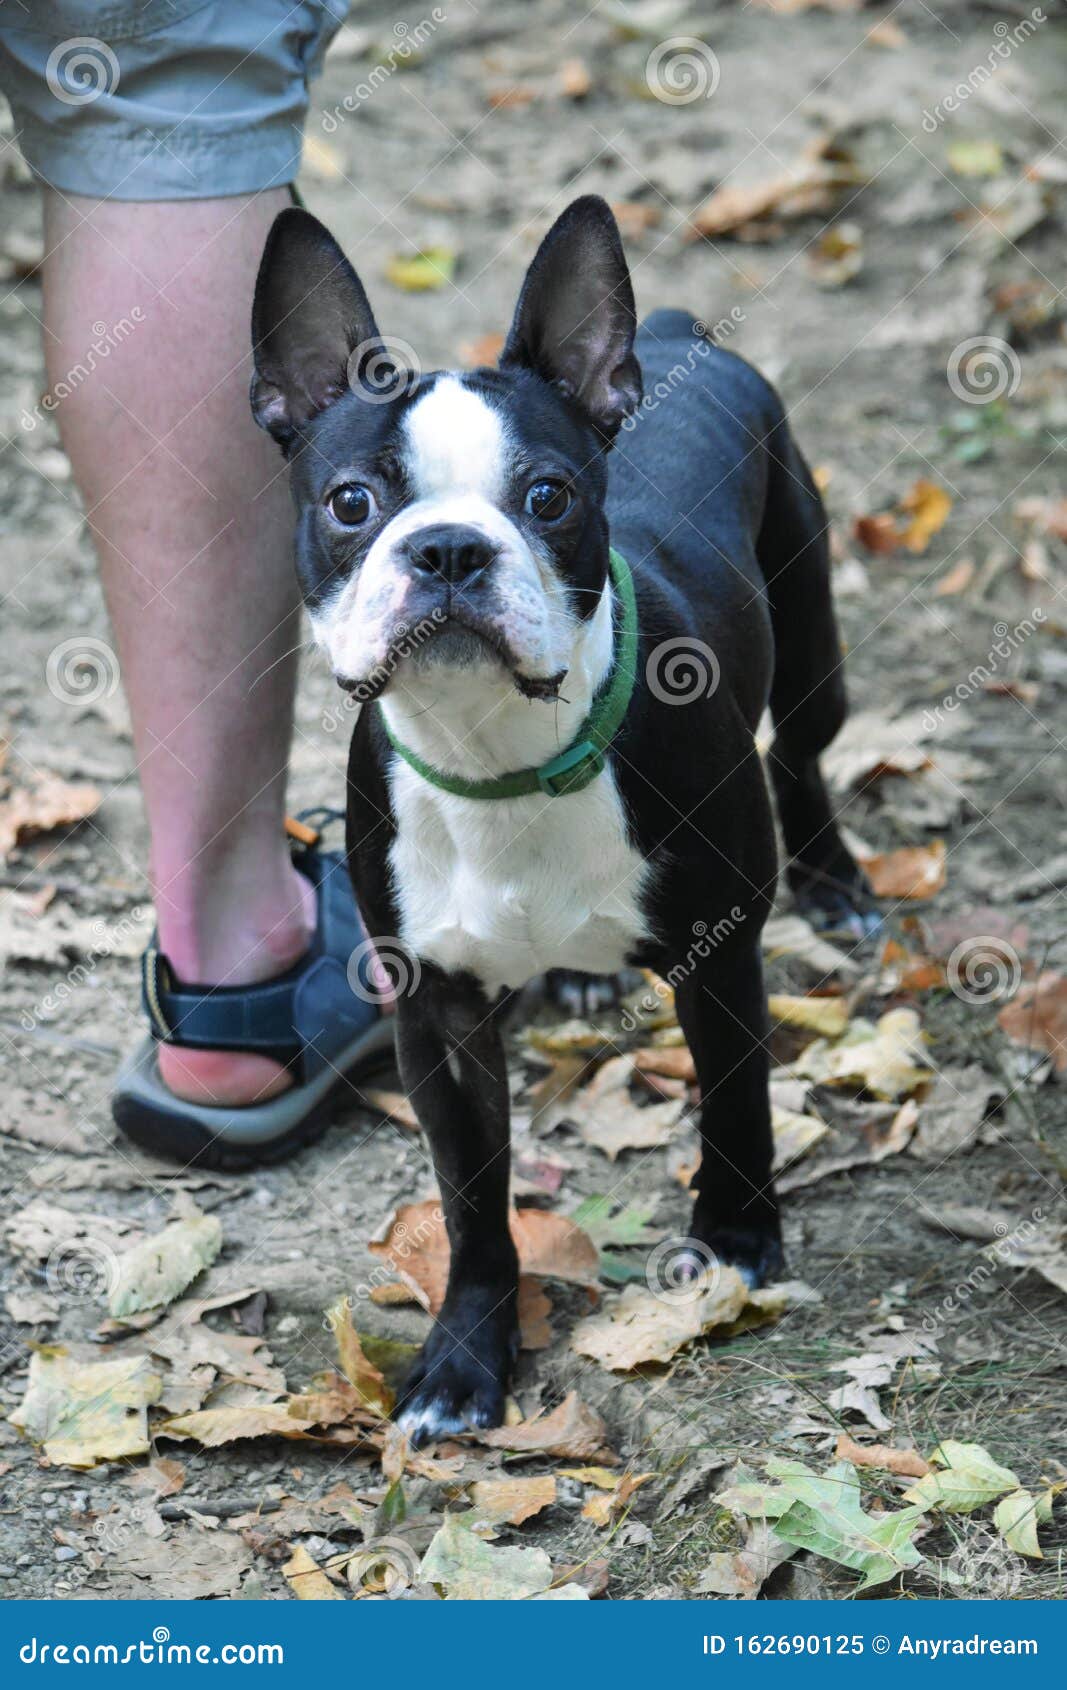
{"type": "Point", "coordinates": [451, 550]}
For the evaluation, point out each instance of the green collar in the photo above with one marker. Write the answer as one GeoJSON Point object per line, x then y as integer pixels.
{"type": "Point", "coordinates": [584, 758]}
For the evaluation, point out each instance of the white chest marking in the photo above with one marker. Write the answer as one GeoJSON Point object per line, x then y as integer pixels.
{"type": "Point", "coordinates": [509, 888]}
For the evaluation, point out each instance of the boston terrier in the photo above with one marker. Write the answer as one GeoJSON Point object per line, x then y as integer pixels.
{"type": "Point", "coordinates": [564, 608]}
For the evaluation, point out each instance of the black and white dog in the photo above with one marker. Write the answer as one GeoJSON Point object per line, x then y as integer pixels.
{"type": "Point", "coordinates": [456, 541]}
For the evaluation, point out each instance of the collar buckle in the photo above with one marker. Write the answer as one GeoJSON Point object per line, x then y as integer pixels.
{"type": "Point", "coordinates": [571, 770]}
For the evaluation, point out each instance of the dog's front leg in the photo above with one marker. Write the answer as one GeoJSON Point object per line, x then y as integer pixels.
{"type": "Point", "coordinates": [722, 1009]}
{"type": "Point", "coordinates": [453, 1067]}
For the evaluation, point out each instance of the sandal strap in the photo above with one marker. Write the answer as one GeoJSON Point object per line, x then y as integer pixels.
{"type": "Point", "coordinates": [300, 1018]}
{"type": "Point", "coordinates": [257, 1018]}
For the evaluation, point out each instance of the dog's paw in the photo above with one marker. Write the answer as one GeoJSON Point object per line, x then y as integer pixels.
{"type": "Point", "coordinates": [756, 1252]}
{"type": "Point", "coordinates": [583, 995]}
{"type": "Point", "coordinates": [845, 907]}
{"type": "Point", "coordinates": [458, 1382]}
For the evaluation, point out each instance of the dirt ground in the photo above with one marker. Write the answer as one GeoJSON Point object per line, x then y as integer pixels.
{"type": "Point", "coordinates": [472, 143]}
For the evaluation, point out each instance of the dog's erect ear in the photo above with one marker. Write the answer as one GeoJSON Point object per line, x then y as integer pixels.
{"type": "Point", "coordinates": [574, 323]}
{"type": "Point", "coordinates": [309, 316]}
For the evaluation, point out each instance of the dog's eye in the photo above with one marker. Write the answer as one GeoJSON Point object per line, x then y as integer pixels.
{"type": "Point", "coordinates": [351, 504]}
{"type": "Point", "coordinates": [549, 500]}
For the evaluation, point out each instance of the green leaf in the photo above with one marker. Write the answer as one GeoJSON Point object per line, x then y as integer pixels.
{"type": "Point", "coordinates": [626, 1229]}
{"type": "Point", "coordinates": [1016, 1519]}
{"type": "Point", "coordinates": [156, 1271]}
{"type": "Point", "coordinates": [82, 1413]}
{"type": "Point", "coordinates": [967, 1478]}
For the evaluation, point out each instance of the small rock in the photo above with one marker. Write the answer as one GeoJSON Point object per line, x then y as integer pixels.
{"type": "Point", "coordinates": [8, 1572]}
{"type": "Point", "coordinates": [65, 1553]}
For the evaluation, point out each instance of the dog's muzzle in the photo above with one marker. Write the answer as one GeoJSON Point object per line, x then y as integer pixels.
{"type": "Point", "coordinates": [453, 552]}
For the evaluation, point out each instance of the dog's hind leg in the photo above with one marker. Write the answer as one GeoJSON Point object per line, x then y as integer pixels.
{"type": "Point", "coordinates": [808, 702]}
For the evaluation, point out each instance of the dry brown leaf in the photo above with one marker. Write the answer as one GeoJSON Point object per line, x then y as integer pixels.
{"type": "Point", "coordinates": [743, 1572]}
{"type": "Point", "coordinates": [1045, 515]}
{"type": "Point", "coordinates": [671, 1064]}
{"type": "Point", "coordinates": [877, 533]}
{"type": "Point", "coordinates": [549, 1247]}
{"type": "Point", "coordinates": [483, 352]}
{"type": "Point", "coordinates": [907, 1463]}
{"type": "Point", "coordinates": [887, 33]}
{"type": "Point", "coordinates": [43, 805]}
{"type": "Point", "coordinates": [642, 1326]}
{"type": "Point", "coordinates": [837, 256]}
{"type": "Point", "coordinates": [806, 186]}
{"type": "Point", "coordinates": [573, 1431]}
{"type": "Point", "coordinates": [392, 1106]}
{"type": "Point", "coordinates": [955, 580]}
{"type": "Point", "coordinates": [913, 871]}
{"type": "Point", "coordinates": [214, 1426]}
{"type": "Point", "coordinates": [635, 218]}
{"type": "Point", "coordinates": [511, 1501]}
{"type": "Point", "coordinates": [1037, 1017]}
{"type": "Point", "coordinates": [307, 1579]}
{"type": "Point", "coordinates": [604, 1510]}
{"type": "Point", "coordinates": [609, 1120]}
{"type": "Point", "coordinates": [574, 79]}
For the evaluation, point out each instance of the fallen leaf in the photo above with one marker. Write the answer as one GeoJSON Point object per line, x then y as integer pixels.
{"type": "Point", "coordinates": [392, 1106]}
{"type": "Point", "coordinates": [41, 806]}
{"type": "Point", "coordinates": [572, 1431]}
{"type": "Point", "coordinates": [422, 272]}
{"type": "Point", "coordinates": [641, 1326]}
{"type": "Point", "coordinates": [825, 1517]}
{"type": "Point", "coordinates": [483, 352]}
{"type": "Point", "coordinates": [534, 1309]}
{"type": "Point", "coordinates": [188, 1564]}
{"type": "Point", "coordinates": [549, 1246]}
{"type": "Point", "coordinates": [673, 1064]}
{"type": "Point", "coordinates": [907, 1463]}
{"type": "Point", "coordinates": [321, 160]}
{"type": "Point", "coordinates": [158, 1269]}
{"type": "Point", "coordinates": [366, 1379]}
{"type": "Point", "coordinates": [574, 79]}
{"type": "Point", "coordinates": [609, 1120]}
{"type": "Point", "coordinates": [805, 186]}
{"type": "Point", "coordinates": [1016, 1518]}
{"type": "Point", "coordinates": [215, 1426]}
{"type": "Point", "coordinates": [511, 1501]}
{"type": "Point", "coordinates": [825, 1015]}
{"type": "Point", "coordinates": [927, 506]}
{"type": "Point", "coordinates": [32, 1308]}
{"type": "Point", "coordinates": [626, 1228]}
{"type": "Point", "coordinates": [794, 1135]}
{"type": "Point", "coordinates": [306, 1579]}
{"type": "Point", "coordinates": [955, 580]}
{"type": "Point", "coordinates": [743, 1572]}
{"type": "Point", "coordinates": [963, 1477]}
{"type": "Point", "coordinates": [871, 745]}
{"type": "Point", "coordinates": [886, 33]}
{"type": "Point", "coordinates": [792, 936]}
{"type": "Point", "coordinates": [913, 871]}
{"type": "Point", "coordinates": [1037, 1017]}
{"type": "Point", "coordinates": [837, 256]}
{"type": "Point", "coordinates": [975, 158]}
{"type": "Point", "coordinates": [954, 1113]}
{"type": "Point", "coordinates": [469, 1569]}
{"type": "Point", "coordinates": [878, 533]}
{"type": "Point", "coordinates": [82, 1413]}
{"type": "Point", "coordinates": [884, 1059]}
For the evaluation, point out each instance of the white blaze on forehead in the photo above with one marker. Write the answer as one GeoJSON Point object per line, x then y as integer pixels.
{"type": "Point", "coordinates": [456, 442]}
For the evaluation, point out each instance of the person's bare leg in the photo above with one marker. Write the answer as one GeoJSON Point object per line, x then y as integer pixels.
{"type": "Point", "coordinates": [192, 522]}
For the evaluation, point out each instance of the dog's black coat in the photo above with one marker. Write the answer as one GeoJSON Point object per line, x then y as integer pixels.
{"type": "Point", "coordinates": [706, 495]}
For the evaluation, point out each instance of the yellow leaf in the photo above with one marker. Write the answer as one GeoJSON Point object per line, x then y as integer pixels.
{"type": "Point", "coordinates": [1015, 1518]}
{"type": "Point", "coordinates": [157, 1270]}
{"type": "Point", "coordinates": [511, 1501]}
{"type": "Point", "coordinates": [82, 1413]}
{"type": "Point", "coordinates": [214, 1426]}
{"type": "Point", "coordinates": [976, 158]}
{"type": "Point", "coordinates": [883, 1059]}
{"type": "Point", "coordinates": [362, 1375]}
{"type": "Point", "coordinates": [927, 505]}
{"type": "Point", "coordinates": [828, 1016]}
{"type": "Point", "coordinates": [307, 1579]}
{"type": "Point", "coordinates": [422, 272]}
{"type": "Point", "coordinates": [644, 1326]}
